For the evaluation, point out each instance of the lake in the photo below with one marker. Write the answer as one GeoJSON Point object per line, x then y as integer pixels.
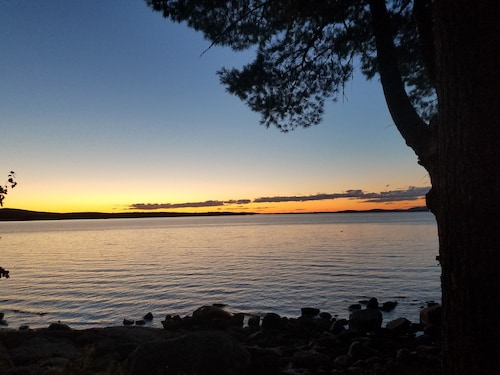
{"type": "Point", "coordinates": [88, 273]}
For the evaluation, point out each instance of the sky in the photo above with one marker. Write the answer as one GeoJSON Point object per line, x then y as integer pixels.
{"type": "Point", "coordinates": [107, 106]}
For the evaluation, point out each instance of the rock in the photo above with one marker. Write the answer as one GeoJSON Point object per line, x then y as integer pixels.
{"type": "Point", "coordinates": [431, 316]}
{"type": "Point", "coordinates": [264, 361]}
{"type": "Point", "coordinates": [323, 324]}
{"type": "Point", "coordinates": [195, 353]}
{"type": "Point", "coordinates": [325, 315]}
{"type": "Point", "coordinates": [367, 320]}
{"type": "Point", "coordinates": [140, 322]}
{"type": "Point", "coordinates": [3, 322]}
{"type": "Point", "coordinates": [309, 359]}
{"type": "Point", "coordinates": [172, 323]}
{"type": "Point", "coordinates": [24, 327]}
{"type": "Point", "coordinates": [342, 362]}
{"type": "Point", "coordinates": [59, 327]}
{"type": "Point", "coordinates": [238, 319]}
{"type": "Point", "coordinates": [359, 350]}
{"type": "Point", "coordinates": [220, 305]}
{"type": "Point", "coordinates": [403, 356]}
{"type": "Point", "coordinates": [355, 306]}
{"type": "Point", "coordinates": [388, 306]}
{"type": "Point", "coordinates": [338, 326]}
{"type": "Point", "coordinates": [309, 312]}
{"type": "Point", "coordinates": [399, 326]}
{"type": "Point", "coordinates": [372, 303]}
{"type": "Point", "coordinates": [272, 321]}
{"type": "Point", "coordinates": [2, 315]}
{"type": "Point", "coordinates": [127, 322]}
{"type": "Point", "coordinates": [205, 315]}
{"type": "Point", "coordinates": [148, 317]}
{"type": "Point", "coordinates": [254, 321]}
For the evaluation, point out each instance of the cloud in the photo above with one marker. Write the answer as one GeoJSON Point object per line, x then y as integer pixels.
{"type": "Point", "coordinates": [410, 194]}
{"type": "Point", "coordinates": [305, 198]}
{"type": "Point", "coordinates": [398, 195]}
{"type": "Point", "coordinates": [239, 201]}
{"type": "Point", "coordinates": [160, 206]}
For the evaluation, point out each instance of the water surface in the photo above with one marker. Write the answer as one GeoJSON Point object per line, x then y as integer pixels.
{"type": "Point", "coordinates": [97, 272]}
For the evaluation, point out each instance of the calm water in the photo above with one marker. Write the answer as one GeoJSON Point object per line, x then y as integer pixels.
{"type": "Point", "coordinates": [97, 272]}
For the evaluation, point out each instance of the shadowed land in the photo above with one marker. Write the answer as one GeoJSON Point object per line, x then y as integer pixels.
{"type": "Point", "coordinates": [11, 214]}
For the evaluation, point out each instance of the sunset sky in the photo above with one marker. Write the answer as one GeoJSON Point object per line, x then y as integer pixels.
{"type": "Point", "coordinates": [106, 106]}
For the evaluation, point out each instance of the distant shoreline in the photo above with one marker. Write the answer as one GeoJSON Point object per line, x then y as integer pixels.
{"type": "Point", "coordinates": [12, 214]}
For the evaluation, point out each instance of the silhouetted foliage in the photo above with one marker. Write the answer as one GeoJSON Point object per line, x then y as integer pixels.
{"type": "Point", "coordinates": [11, 183]}
{"type": "Point", "coordinates": [4, 273]}
{"type": "Point", "coordinates": [305, 52]}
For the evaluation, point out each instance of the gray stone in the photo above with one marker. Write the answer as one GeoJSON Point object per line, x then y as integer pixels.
{"type": "Point", "coordinates": [254, 321]}
{"type": "Point", "coordinates": [365, 320]}
{"type": "Point", "coordinates": [206, 315]}
{"type": "Point", "coordinates": [372, 303]}
{"type": "Point", "coordinates": [355, 306]}
{"type": "Point", "coordinates": [388, 306]}
{"type": "Point", "coordinates": [310, 359]}
{"type": "Point", "coordinates": [431, 316]}
{"type": "Point", "coordinates": [359, 350]}
{"type": "Point", "coordinates": [310, 312]}
{"type": "Point", "coordinates": [272, 321]}
{"type": "Point", "coordinates": [399, 326]}
{"type": "Point", "coordinates": [59, 327]}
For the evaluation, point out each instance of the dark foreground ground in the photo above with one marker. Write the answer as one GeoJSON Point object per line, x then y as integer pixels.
{"type": "Point", "coordinates": [215, 342]}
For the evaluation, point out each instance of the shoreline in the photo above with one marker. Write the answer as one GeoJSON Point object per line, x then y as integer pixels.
{"type": "Point", "coordinates": [214, 341]}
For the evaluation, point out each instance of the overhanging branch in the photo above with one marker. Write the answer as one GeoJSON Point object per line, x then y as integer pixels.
{"type": "Point", "coordinates": [414, 130]}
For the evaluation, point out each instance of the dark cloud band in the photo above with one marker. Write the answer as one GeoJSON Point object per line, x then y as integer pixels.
{"type": "Point", "coordinates": [390, 196]}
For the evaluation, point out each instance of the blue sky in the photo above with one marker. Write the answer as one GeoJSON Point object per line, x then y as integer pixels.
{"type": "Point", "coordinates": [105, 105]}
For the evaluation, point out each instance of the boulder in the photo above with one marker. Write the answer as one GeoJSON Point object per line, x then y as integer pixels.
{"type": "Point", "coordinates": [148, 317]}
{"type": "Point", "coordinates": [354, 306]}
{"type": "Point", "coordinates": [388, 306]}
{"type": "Point", "coordinates": [359, 350]}
{"type": "Point", "coordinates": [205, 315]}
{"type": "Point", "coordinates": [325, 315]}
{"type": "Point", "coordinates": [273, 321]}
{"type": "Point", "coordinates": [372, 303]}
{"type": "Point", "coordinates": [338, 326]}
{"type": "Point", "coordinates": [309, 312]}
{"type": "Point", "coordinates": [431, 316]}
{"type": "Point", "coordinates": [309, 359]}
{"type": "Point", "coordinates": [204, 352]}
{"type": "Point", "coordinates": [172, 323]}
{"type": "Point", "coordinates": [399, 326]}
{"type": "Point", "coordinates": [254, 321]}
{"type": "Point", "coordinates": [59, 327]}
{"type": "Point", "coordinates": [365, 320]}
{"type": "Point", "coordinates": [238, 319]}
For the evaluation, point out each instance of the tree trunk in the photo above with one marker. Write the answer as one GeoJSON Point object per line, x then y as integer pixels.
{"type": "Point", "coordinates": [466, 183]}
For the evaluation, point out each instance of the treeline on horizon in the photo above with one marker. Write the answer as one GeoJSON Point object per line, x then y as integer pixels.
{"type": "Point", "coordinates": [12, 214]}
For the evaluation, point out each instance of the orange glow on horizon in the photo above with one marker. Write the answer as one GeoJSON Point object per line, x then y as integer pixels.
{"type": "Point", "coordinates": [261, 208]}
{"type": "Point", "coordinates": [93, 202]}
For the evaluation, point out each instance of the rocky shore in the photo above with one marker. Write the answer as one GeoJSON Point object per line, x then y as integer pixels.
{"type": "Point", "coordinates": [213, 341]}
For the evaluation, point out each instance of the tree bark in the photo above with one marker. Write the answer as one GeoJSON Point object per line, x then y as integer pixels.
{"type": "Point", "coordinates": [466, 183]}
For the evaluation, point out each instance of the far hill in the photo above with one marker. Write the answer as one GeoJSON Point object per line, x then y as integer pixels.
{"type": "Point", "coordinates": [11, 214]}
